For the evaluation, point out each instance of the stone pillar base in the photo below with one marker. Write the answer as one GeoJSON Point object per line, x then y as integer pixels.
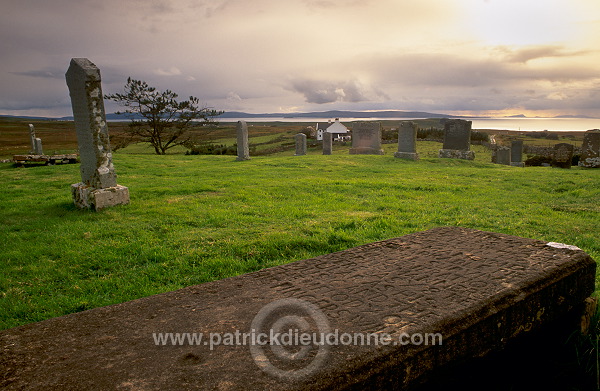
{"type": "Point", "coordinates": [366, 151]}
{"type": "Point", "coordinates": [518, 164]}
{"type": "Point", "coordinates": [407, 155]}
{"type": "Point", "coordinates": [86, 197]}
{"type": "Point", "coordinates": [590, 162]}
{"type": "Point", "coordinates": [456, 154]}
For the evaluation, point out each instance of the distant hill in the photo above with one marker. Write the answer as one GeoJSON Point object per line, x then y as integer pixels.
{"type": "Point", "coordinates": [339, 114]}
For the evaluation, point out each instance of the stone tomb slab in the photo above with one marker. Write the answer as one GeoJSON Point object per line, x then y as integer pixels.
{"type": "Point", "coordinates": [477, 289]}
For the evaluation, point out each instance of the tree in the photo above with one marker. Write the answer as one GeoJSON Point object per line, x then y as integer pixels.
{"type": "Point", "coordinates": [158, 118]}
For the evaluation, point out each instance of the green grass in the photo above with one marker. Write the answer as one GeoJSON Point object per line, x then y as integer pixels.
{"type": "Point", "coordinates": [194, 219]}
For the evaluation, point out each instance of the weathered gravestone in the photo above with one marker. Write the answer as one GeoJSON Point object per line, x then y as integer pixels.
{"type": "Point", "coordinates": [385, 315]}
{"type": "Point", "coordinates": [300, 144]}
{"type": "Point", "coordinates": [516, 153]}
{"type": "Point", "coordinates": [502, 155]}
{"type": "Point", "coordinates": [36, 142]}
{"type": "Point", "coordinates": [590, 150]}
{"type": "Point", "coordinates": [457, 140]}
{"type": "Point", "coordinates": [407, 141]}
{"type": "Point", "coordinates": [98, 188]}
{"type": "Point", "coordinates": [243, 149]}
{"type": "Point", "coordinates": [366, 138]}
{"type": "Point", "coordinates": [327, 143]}
{"type": "Point", "coordinates": [563, 155]}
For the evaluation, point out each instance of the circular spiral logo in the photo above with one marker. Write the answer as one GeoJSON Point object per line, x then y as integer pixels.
{"type": "Point", "coordinates": [289, 338]}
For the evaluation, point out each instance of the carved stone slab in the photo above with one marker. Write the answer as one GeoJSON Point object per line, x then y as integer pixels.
{"type": "Point", "coordinates": [478, 289]}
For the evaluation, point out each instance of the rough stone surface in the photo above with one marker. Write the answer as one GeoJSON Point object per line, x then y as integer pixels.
{"type": "Point", "coordinates": [456, 154]}
{"type": "Point", "coordinates": [300, 144]}
{"type": "Point", "coordinates": [563, 155]}
{"type": "Point", "coordinates": [327, 143]}
{"type": "Point", "coordinates": [366, 138]}
{"type": "Point", "coordinates": [516, 153]}
{"type": "Point", "coordinates": [478, 289]}
{"type": "Point", "coordinates": [407, 141]}
{"type": "Point", "coordinates": [503, 155]}
{"type": "Point", "coordinates": [36, 143]}
{"type": "Point", "coordinates": [86, 197]}
{"type": "Point", "coordinates": [457, 134]}
{"type": "Point", "coordinates": [97, 170]}
{"type": "Point", "coordinates": [243, 149]}
{"type": "Point", "coordinates": [590, 150]}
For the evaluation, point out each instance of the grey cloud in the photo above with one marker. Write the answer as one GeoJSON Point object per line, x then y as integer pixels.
{"type": "Point", "coordinates": [47, 73]}
{"type": "Point", "coordinates": [318, 91]}
{"type": "Point", "coordinates": [535, 52]}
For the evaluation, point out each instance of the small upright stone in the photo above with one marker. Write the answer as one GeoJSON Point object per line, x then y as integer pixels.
{"type": "Point", "coordinates": [563, 155]}
{"type": "Point", "coordinates": [503, 155]}
{"type": "Point", "coordinates": [300, 144]}
{"type": "Point", "coordinates": [98, 187]}
{"type": "Point", "coordinates": [407, 141]}
{"type": "Point", "coordinates": [327, 143]}
{"type": "Point", "coordinates": [457, 140]}
{"type": "Point", "coordinates": [590, 150]}
{"type": "Point", "coordinates": [366, 138]}
{"type": "Point", "coordinates": [36, 142]}
{"type": "Point", "coordinates": [243, 150]}
{"type": "Point", "coordinates": [516, 153]}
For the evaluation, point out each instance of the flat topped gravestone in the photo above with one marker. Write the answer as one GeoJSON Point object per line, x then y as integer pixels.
{"type": "Point", "coordinates": [422, 301]}
{"type": "Point", "coordinates": [457, 140]}
{"type": "Point", "coordinates": [366, 138]}
{"type": "Point", "coordinates": [407, 141]}
{"type": "Point", "coordinates": [98, 188]}
{"type": "Point", "coordinates": [590, 149]}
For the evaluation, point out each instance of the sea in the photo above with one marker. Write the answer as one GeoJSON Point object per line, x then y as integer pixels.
{"type": "Point", "coordinates": [517, 124]}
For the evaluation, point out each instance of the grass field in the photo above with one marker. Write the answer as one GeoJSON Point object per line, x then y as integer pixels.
{"type": "Point", "coordinates": [194, 219]}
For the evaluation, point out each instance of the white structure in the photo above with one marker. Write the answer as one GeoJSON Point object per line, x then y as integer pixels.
{"type": "Point", "coordinates": [338, 130]}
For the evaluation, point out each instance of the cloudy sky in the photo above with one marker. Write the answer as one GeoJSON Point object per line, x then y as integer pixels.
{"type": "Point", "coordinates": [492, 57]}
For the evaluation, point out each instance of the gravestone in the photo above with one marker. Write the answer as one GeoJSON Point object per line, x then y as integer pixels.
{"type": "Point", "coordinates": [366, 138]}
{"type": "Point", "coordinates": [98, 188]}
{"type": "Point", "coordinates": [327, 143]}
{"type": "Point", "coordinates": [516, 153]}
{"type": "Point", "coordinates": [36, 143]}
{"type": "Point", "coordinates": [471, 291]}
{"type": "Point", "coordinates": [243, 149]}
{"type": "Point", "coordinates": [300, 144]}
{"type": "Point", "coordinates": [590, 150]}
{"type": "Point", "coordinates": [407, 141]}
{"type": "Point", "coordinates": [457, 140]}
{"type": "Point", "coordinates": [563, 155]}
{"type": "Point", "coordinates": [503, 155]}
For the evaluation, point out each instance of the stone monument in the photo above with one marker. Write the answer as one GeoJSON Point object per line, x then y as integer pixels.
{"type": "Point", "coordinates": [366, 138]}
{"type": "Point", "coordinates": [243, 150]}
{"type": "Point", "coordinates": [516, 153]}
{"type": "Point", "coordinates": [36, 142]}
{"type": "Point", "coordinates": [407, 141]}
{"type": "Point", "coordinates": [98, 187]}
{"type": "Point", "coordinates": [590, 150]}
{"type": "Point", "coordinates": [563, 155]}
{"type": "Point", "coordinates": [327, 143]}
{"type": "Point", "coordinates": [300, 144]}
{"type": "Point", "coordinates": [503, 155]}
{"type": "Point", "coordinates": [457, 140]}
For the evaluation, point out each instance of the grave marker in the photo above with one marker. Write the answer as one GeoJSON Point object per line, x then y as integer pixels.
{"type": "Point", "coordinates": [478, 290]}
{"type": "Point", "coordinates": [300, 144]}
{"type": "Point", "coordinates": [407, 141]}
{"type": "Point", "coordinates": [98, 188]}
{"type": "Point", "coordinates": [563, 155]}
{"type": "Point", "coordinates": [243, 149]}
{"type": "Point", "coordinates": [36, 143]}
{"type": "Point", "coordinates": [327, 143]}
{"type": "Point", "coordinates": [590, 150]}
{"type": "Point", "coordinates": [503, 155]}
{"type": "Point", "coordinates": [366, 138]}
{"type": "Point", "coordinates": [457, 140]}
{"type": "Point", "coordinates": [516, 153]}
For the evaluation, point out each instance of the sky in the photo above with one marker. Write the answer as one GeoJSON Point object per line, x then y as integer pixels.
{"type": "Point", "coordinates": [461, 57]}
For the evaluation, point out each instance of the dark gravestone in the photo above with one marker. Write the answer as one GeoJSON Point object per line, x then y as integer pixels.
{"type": "Point", "coordinates": [407, 141]}
{"type": "Point", "coordinates": [516, 153]}
{"type": "Point", "coordinates": [590, 150]}
{"type": "Point", "coordinates": [476, 290]}
{"type": "Point", "coordinates": [327, 143]}
{"type": "Point", "coordinates": [366, 138]}
{"type": "Point", "coordinates": [300, 140]}
{"type": "Point", "coordinates": [457, 140]}
{"type": "Point", "coordinates": [502, 155]}
{"type": "Point", "coordinates": [563, 155]}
